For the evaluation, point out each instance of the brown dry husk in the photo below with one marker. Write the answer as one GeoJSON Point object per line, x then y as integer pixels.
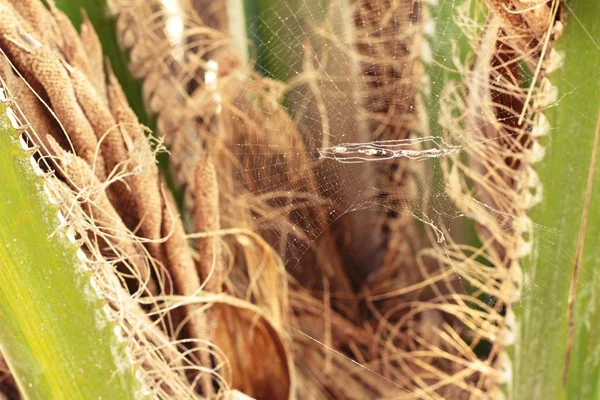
{"type": "Point", "coordinates": [215, 311]}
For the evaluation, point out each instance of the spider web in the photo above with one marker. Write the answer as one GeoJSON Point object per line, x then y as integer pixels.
{"type": "Point", "coordinates": [338, 81]}
{"type": "Point", "coordinates": [340, 157]}
{"type": "Point", "coordinates": [343, 141]}
{"type": "Point", "coordinates": [329, 56]}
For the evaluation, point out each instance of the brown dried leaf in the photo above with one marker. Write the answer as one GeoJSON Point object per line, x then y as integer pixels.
{"type": "Point", "coordinates": [259, 360]}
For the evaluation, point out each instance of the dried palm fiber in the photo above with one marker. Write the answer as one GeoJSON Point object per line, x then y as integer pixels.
{"type": "Point", "coordinates": [375, 73]}
{"type": "Point", "coordinates": [262, 122]}
{"type": "Point", "coordinates": [381, 126]}
{"type": "Point", "coordinates": [493, 182]}
{"type": "Point", "coordinates": [337, 369]}
{"type": "Point", "coordinates": [170, 74]}
{"type": "Point", "coordinates": [201, 110]}
{"type": "Point", "coordinates": [79, 176]}
{"type": "Point", "coordinates": [119, 137]}
{"type": "Point", "coordinates": [451, 339]}
{"type": "Point", "coordinates": [145, 186]}
{"type": "Point", "coordinates": [430, 318]}
{"type": "Point", "coordinates": [420, 327]}
{"type": "Point", "coordinates": [87, 205]}
{"type": "Point", "coordinates": [41, 119]}
{"type": "Point", "coordinates": [410, 298]}
{"type": "Point", "coordinates": [216, 114]}
{"type": "Point", "coordinates": [266, 324]}
{"type": "Point", "coordinates": [389, 49]}
{"type": "Point", "coordinates": [167, 369]}
{"type": "Point", "coordinates": [124, 139]}
{"type": "Point", "coordinates": [294, 173]}
{"type": "Point", "coordinates": [382, 370]}
{"type": "Point", "coordinates": [104, 123]}
{"type": "Point", "coordinates": [287, 211]}
{"type": "Point", "coordinates": [206, 101]}
{"type": "Point", "coordinates": [261, 280]}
